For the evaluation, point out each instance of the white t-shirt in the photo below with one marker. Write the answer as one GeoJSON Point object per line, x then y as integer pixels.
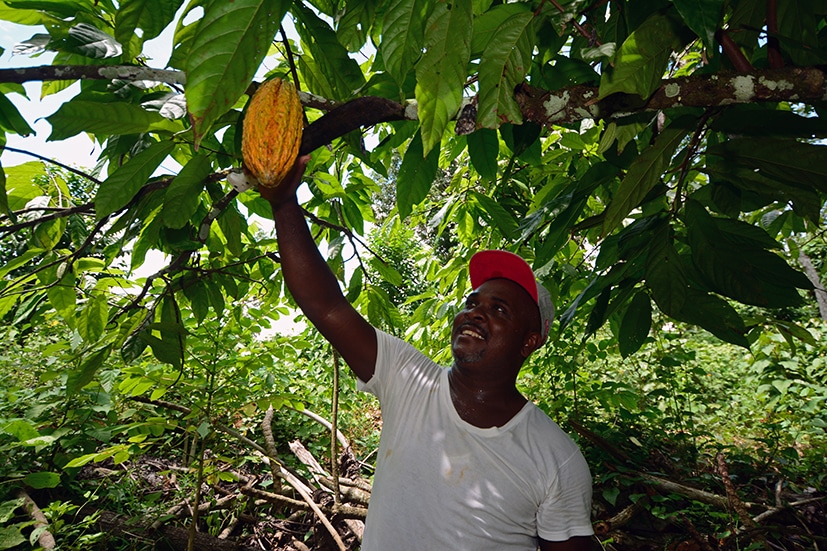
{"type": "Point", "coordinates": [442, 483]}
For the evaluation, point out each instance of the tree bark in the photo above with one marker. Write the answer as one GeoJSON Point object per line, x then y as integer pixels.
{"type": "Point", "coordinates": [812, 274]}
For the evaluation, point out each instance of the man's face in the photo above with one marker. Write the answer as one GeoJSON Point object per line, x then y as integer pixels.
{"type": "Point", "coordinates": [494, 325]}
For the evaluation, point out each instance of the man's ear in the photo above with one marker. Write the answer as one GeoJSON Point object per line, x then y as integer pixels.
{"type": "Point", "coordinates": [531, 343]}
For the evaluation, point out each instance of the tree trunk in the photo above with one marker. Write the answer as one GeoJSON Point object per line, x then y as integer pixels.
{"type": "Point", "coordinates": [818, 288]}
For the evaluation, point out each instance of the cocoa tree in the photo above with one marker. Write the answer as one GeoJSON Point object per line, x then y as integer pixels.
{"type": "Point", "coordinates": [651, 158]}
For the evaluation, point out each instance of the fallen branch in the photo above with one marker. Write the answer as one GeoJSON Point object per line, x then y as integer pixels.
{"type": "Point", "coordinates": [46, 540]}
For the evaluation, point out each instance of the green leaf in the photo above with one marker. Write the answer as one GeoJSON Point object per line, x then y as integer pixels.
{"type": "Point", "coordinates": [11, 120]}
{"type": "Point", "coordinates": [388, 272]}
{"type": "Point", "coordinates": [639, 64]}
{"type": "Point", "coordinates": [483, 149]}
{"type": "Point", "coordinates": [183, 195]}
{"type": "Point", "coordinates": [790, 161]}
{"type": "Point", "coordinates": [198, 295]}
{"type": "Point", "coordinates": [738, 268]}
{"type": "Point", "coordinates": [116, 191]}
{"type": "Point", "coordinates": [635, 325]}
{"type": "Point", "coordinates": [93, 318]}
{"type": "Point", "coordinates": [82, 376]}
{"type": "Point", "coordinates": [403, 36]}
{"type": "Point", "coordinates": [504, 64]}
{"type": "Point", "coordinates": [105, 119]}
{"type": "Point", "coordinates": [42, 480]}
{"type": "Point", "coordinates": [704, 17]}
{"type": "Point", "coordinates": [441, 73]}
{"type": "Point", "coordinates": [497, 215]}
{"type": "Point", "coordinates": [10, 536]}
{"type": "Point", "coordinates": [22, 429]}
{"type": "Point", "coordinates": [174, 333]}
{"type": "Point", "coordinates": [415, 176]}
{"type": "Point", "coordinates": [332, 60]}
{"type": "Point", "coordinates": [715, 315]}
{"type": "Point", "coordinates": [642, 176]}
{"type": "Point", "coordinates": [63, 297]}
{"type": "Point", "coordinates": [150, 16]}
{"type": "Point", "coordinates": [229, 44]}
{"type": "Point", "coordinates": [664, 272]}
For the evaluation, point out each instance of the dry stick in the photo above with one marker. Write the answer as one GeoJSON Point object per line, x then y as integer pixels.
{"type": "Point", "coordinates": [291, 478]}
{"type": "Point", "coordinates": [46, 540]}
{"type": "Point", "coordinates": [270, 442]}
{"type": "Point", "coordinates": [735, 500]}
{"type": "Point", "coordinates": [323, 422]}
{"type": "Point", "coordinates": [334, 416]}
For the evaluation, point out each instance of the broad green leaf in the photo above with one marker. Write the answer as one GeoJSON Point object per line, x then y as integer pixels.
{"type": "Point", "coordinates": [83, 375]}
{"type": "Point", "coordinates": [415, 176]}
{"type": "Point", "coordinates": [42, 479]}
{"type": "Point", "coordinates": [789, 161]}
{"type": "Point", "coordinates": [403, 36]}
{"type": "Point", "coordinates": [716, 316]}
{"type": "Point", "coordinates": [22, 429]}
{"type": "Point", "coordinates": [352, 27]}
{"type": "Point", "coordinates": [62, 8]}
{"type": "Point", "coordinates": [388, 272]}
{"type": "Point", "coordinates": [116, 191]}
{"type": "Point", "coordinates": [63, 297]}
{"type": "Point", "coordinates": [486, 25]}
{"type": "Point", "coordinates": [4, 197]}
{"type": "Point", "coordinates": [483, 149]}
{"type": "Point", "coordinates": [332, 60]}
{"type": "Point", "coordinates": [737, 268]}
{"type": "Point", "coordinates": [441, 73]}
{"type": "Point", "coordinates": [183, 195]}
{"type": "Point", "coordinates": [173, 333]}
{"type": "Point", "coordinates": [199, 298]}
{"type": "Point", "coordinates": [93, 318]}
{"type": "Point", "coordinates": [231, 223]}
{"type": "Point", "coordinates": [635, 325]}
{"type": "Point", "coordinates": [642, 176]}
{"type": "Point", "coordinates": [11, 120]}
{"type": "Point", "coordinates": [664, 272]}
{"type": "Point", "coordinates": [496, 215]}
{"type": "Point", "coordinates": [150, 16]}
{"type": "Point", "coordinates": [11, 536]}
{"type": "Point", "coordinates": [704, 17]}
{"type": "Point", "coordinates": [105, 119]}
{"type": "Point", "coordinates": [640, 63]}
{"type": "Point", "coordinates": [229, 44]}
{"type": "Point", "coordinates": [504, 64]}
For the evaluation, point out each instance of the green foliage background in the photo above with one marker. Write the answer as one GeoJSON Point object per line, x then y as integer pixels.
{"type": "Point", "coordinates": [658, 162]}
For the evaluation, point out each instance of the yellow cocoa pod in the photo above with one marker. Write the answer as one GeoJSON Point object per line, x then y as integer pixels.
{"type": "Point", "coordinates": [272, 131]}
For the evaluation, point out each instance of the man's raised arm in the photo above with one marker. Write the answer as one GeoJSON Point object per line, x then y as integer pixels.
{"type": "Point", "coordinates": [312, 284]}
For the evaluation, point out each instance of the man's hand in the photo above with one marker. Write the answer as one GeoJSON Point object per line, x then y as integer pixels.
{"type": "Point", "coordinates": [286, 190]}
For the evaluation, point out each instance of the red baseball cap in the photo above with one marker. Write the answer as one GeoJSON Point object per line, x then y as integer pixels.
{"type": "Point", "coordinates": [493, 264]}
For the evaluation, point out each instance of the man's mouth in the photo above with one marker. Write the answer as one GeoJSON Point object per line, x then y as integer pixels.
{"type": "Point", "coordinates": [472, 332]}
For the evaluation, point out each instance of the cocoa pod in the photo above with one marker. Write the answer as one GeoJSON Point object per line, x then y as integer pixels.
{"type": "Point", "coordinates": [272, 131]}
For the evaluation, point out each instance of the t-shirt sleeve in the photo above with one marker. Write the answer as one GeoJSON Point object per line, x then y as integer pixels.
{"type": "Point", "coordinates": [399, 368]}
{"type": "Point", "coordinates": [566, 511]}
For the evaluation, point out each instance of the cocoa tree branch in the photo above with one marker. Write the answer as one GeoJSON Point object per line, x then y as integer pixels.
{"type": "Point", "coordinates": [20, 75]}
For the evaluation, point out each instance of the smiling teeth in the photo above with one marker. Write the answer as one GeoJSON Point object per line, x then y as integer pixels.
{"type": "Point", "coordinates": [472, 334]}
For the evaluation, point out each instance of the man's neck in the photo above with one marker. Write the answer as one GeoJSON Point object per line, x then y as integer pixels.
{"type": "Point", "coordinates": [484, 404]}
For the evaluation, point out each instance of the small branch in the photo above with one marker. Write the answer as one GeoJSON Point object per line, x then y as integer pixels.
{"type": "Point", "coordinates": [51, 161]}
{"type": "Point", "coordinates": [93, 72]}
{"type": "Point", "coordinates": [334, 418]}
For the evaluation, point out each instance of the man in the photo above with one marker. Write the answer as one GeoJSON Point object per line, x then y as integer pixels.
{"type": "Point", "coordinates": [465, 461]}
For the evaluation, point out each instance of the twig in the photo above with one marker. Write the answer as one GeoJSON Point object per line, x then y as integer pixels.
{"type": "Point", "coordinates": [52, 161]}
{"type": "Point", "coordinates": [269, 441]}
{"type": "Point", "coordinates": [334, 417]}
